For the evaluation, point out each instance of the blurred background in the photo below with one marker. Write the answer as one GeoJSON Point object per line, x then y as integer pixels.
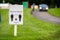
{"type": "Point", "coordinates": [51, 3]}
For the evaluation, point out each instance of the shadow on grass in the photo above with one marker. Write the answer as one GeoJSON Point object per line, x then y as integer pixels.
{"type": "Point", "coordinates": [7, 37]}
{"type": "Point", "coordinates": [55, 36]}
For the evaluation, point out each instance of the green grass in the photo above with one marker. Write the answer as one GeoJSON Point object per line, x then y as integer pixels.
{"type": "Point", "coordinates": [55, 12]}
{"type": "Point", "coordinates": [32, 29]}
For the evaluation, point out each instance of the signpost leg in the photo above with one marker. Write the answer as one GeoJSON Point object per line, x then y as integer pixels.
{"type": "Point", "coordinates": [15, 30]}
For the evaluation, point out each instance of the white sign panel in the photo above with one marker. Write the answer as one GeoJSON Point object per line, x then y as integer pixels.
{"type": "Point", "coordinates": [16, 14]}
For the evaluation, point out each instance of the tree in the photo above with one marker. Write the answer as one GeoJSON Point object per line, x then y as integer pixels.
{"type": "Point", "coordinates": [0, 1]}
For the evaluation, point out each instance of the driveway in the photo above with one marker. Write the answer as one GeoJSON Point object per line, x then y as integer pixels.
{"type": "Point", "coordinates": [46, 17]}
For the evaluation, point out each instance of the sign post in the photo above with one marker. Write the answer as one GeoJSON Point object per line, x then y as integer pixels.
{"type": "Point", "coordinates": [16, 16]}
{"type": "Point", "coordinates": [15, 30]}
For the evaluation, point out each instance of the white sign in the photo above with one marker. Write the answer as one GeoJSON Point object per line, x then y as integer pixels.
{"type": "Point", "coordinates": [16, 14]}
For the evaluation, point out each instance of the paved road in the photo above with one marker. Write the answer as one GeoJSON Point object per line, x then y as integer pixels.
{"type": "Point", "coordinates": [46, 17]}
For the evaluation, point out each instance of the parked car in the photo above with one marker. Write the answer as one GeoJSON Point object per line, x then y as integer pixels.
{"type": "Point", "coordinates": [43, 7]}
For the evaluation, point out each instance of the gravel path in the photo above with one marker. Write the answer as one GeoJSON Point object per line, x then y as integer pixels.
{"type": "Point", "coordinates": [46, 17]}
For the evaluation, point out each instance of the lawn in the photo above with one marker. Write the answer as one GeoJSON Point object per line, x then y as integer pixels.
{"type": "Point", "coordinates": [54, 12]}
{"type": "Point", "coordinates": [32, 29]}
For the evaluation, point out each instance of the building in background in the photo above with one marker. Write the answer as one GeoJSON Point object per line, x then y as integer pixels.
{"type": "Point", "coordinates": [4, 5]}
{"type": "Point", "coordinates": [29, 5]}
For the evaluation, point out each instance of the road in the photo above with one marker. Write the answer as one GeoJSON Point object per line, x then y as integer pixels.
{"type": "Point", "coordinates": [46, 17]}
